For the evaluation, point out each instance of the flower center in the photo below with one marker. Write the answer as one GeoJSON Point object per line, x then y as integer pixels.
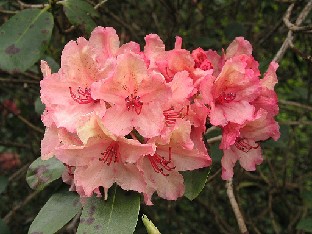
{"type": "Point", "coordinates": [134, 103]}
{"type": "Point", "coordinates": [205, 65]}
{"type": "Point", "coordinates": [244, 146]}
{"type": "Point", "coordinates": [70, 169]}
{"type": "Point", "coordinates": [225, 98]}
{"type": "Point", "coordinates": [201, 60]}
{"type": "Point", "coordinates": [111, 154]}
{"type": "Point", "coordinates": [160, 164]}
{"type": "Point", "coordinates": [81, 96]}
{"type": "Point", "coordinates": [171, 115]}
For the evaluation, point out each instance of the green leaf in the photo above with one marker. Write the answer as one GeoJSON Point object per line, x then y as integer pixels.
{"type": "Point", "coordinates": [119, 214]}
{"type": "Point", "coordinates": [215, 152]}
{"type": "Point", "coordinates": [150, 227]}
{"type": "Point", "coordinates": [42, 172]}
{"type": "Point", "coordinates": [305, 224]}
{"type": "Point", "coordinates": [39, 106]}
{"type": "Point", "coordinates": [22, 39]}
{"type": "Point", "coordinates": [79, 12]}
{"type": "Point", "coordinates": [3, 183]}
{"type": "Point", "coordinates": [52, 64]}
{"type": "Point", "coordinates": [4, 228]}
{"type": "Point", "coordinates": [195, 182]}
{"type": "Point", "coordinates": [307, 198]}
{"type": "Point", "coordinates": [58, 211]}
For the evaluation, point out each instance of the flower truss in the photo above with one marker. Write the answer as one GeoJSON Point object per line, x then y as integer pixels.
{"type": "Point", "coordinates": [117, 114]}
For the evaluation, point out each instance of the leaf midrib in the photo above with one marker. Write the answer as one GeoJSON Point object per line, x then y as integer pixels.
{"type": "Point", "coordinates": [111, 212]}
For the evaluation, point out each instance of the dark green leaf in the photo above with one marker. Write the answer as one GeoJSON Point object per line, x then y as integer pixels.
{"type": "Point", "coordinates": [79, 12]}
{"type": "Point", "coordinates": [39, 106]}
{"type": "Point", "coordinates": [52, 64]}
{"type": "Point", "coordinates": [58, 211]}
{"type": "Point", "coordinates": [43, 172]}
{"type": "Point", "coordinates": [3, 183]}
{"type": "Point", "coordinates": [307, 198]}
{"type": "Point", "coordinates": [195, 182]}
{"type": "Point", "coordinates": [4, 228]}
{"type": "Point", "coordinates": [233, 30]}
{"type": "Point", "coordinates": [215, 152]}
{"type": "Point", "coordinates": [119, 214]}
{"type": "Point", "coordinates": [22, 39]}
{"type": "Point", "coordinates": [305, 224]}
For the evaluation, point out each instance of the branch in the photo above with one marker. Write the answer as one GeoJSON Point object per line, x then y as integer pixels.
{"type": "Point", "coordinates": [30, 197]}
{"type": "Point", "coordinates": [211, 129]}
{"type": "Point", "coordinates": [238, 214]}
{"type": "Point", "coordinates": [14, 144]}
{"type": "Point", "coordinates": [19, 81]}
{"type": "Point", "coordinates": [99, 4]}
{"type": "Point", "coordinates": [25, 121]}
{"type": "Point", "coordinates": [25, 5]}
{"type": "Point", "coordinates": [214, 139]}
{"type": "Point", "coordinates": [301, 17]}
{"type": "Point", "coordinates": [297, 104]}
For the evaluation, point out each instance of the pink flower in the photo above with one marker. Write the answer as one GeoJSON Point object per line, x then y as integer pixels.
{"type": "Point", "coordinates": [66, 94]}
{"type": "Point", "coordinates": [135, 96]}
{"type": "Point", "coordinates": [229, 95]}
{"type": "Point", "coordinates": [267, 98]}
{"type": "Point", "coordinates": [241, 142]}
{"type": "Point", "coordinates": [161, 169]}
{"type": "Point", "coordinates": [168, 63]}
{"type": "Point", "coordinates": [98, 158]}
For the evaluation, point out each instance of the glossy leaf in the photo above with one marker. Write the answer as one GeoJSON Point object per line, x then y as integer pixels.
{"type": "Point", "coordinates": [58, 211]}
{"type": "Point", "coordinates": [80, 12]}
{"type": "Point", "coordinates": [22, 39]}
{"type": "Point", "coordinates": [118, 214]}
{"type": "Point", "coordinates": [195, 182]}
{"type": "Point", "coordinates": [3, 183]}
{"type": "Point", "coordinates": [43, 172]}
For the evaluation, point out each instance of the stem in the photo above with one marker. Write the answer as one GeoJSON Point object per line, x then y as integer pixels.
{"type": "Point", "coordinates": [238, 214]}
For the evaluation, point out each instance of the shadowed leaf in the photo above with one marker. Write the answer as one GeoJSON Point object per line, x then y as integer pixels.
{"type": "Point", "coordinates": [79, 12]}
{"type": "Point", "coordinates": [22, 39]}
{"type": "Point", "coordinates": [43, 172]}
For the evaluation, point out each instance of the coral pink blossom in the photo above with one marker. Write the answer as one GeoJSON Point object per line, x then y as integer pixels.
{"type": "Point", "coordinates": [241, 142]}
{"type": "Point", "coordinates": [172, 61]}
{"type": "Point", "coordinates": [229, 95]}
{"type": "Point", "coordinates": [97, 158]}
{"type": "Point", "coordinates": [136, 97]}
{"type": "Point", "coordinates": [267, 98]}
{"type": "Point", "coordinates": [67, 94]}
{"type": "Point", "coordinates": [161, 169]}
{"type": "Point", "coordinates": [116, 114]}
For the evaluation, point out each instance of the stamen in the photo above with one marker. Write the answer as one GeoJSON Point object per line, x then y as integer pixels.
{"type": "Point", "coordinates": [160, 164]}
{"type": "Point", "coordinates": [171, 116]}
{"type": "Point", "coordinates": [83, 97]}
{"type": "Point", "coordinates": [168, 77]}
{"type": "Point", "coordinates": [206, 65]}
{"type": "Point", "coordinates": [69, 169]}
{"type": "Point", "coordinates": [134, 103]}
{"type": "Point", "coordinates": [243, 145]}
{"type": "Point", "coordinates": [226, 98]}
{"type": "Point", "coordinates": [111, 154]}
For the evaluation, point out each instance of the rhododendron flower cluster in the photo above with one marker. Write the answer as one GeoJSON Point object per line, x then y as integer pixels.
{"type": "Point", "coordinates": [118, 114]}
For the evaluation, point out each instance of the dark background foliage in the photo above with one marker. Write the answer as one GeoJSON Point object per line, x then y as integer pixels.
{"type": "Point", "coordinates": [277, 198]}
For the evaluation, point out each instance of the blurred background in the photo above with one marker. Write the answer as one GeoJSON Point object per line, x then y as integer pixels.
{"type": "Point", "coordinates": [277, 198]}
